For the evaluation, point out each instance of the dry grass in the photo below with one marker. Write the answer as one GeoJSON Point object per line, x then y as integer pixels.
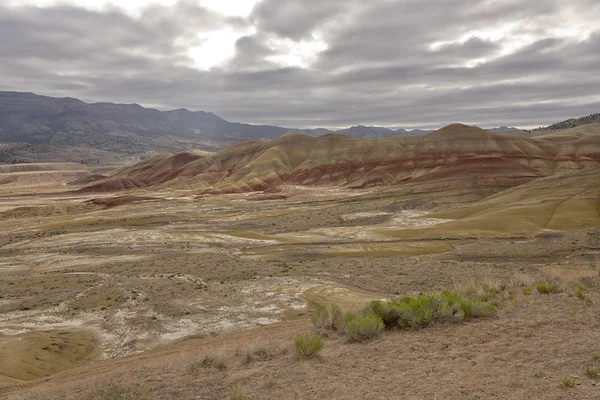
{"type": "Point", "coordinates": [237, 393]}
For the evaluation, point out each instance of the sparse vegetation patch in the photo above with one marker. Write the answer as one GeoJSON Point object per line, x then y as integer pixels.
{"type": "Point", "coordinates": [567, 383]}
{"type": "Point", "coordinates": [327, 320]}
{"type": "Point", "coordinates": [361, 327]}
{"type": "Point", "coordinates": [215, 362]}
{"type": "Point", "coordinates": [547, 287]}
{"type": "Point", "coordinates": [424, 309]}
{"type": "Point", "coordinates": [307, 345]}
{"type": "Point", "coordinates": [592, 372]}
{"type": "Point", "coordinates": [406, 312]}
{"type": "Point", "coordinates": [237, 393]}
{"type": "Point", "coordinates": [117, 392]}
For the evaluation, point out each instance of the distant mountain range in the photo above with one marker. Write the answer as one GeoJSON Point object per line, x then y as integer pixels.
{"type": "Point", "coordinates": [27, 117]}
{"type": "Point", "coordinates": [375, 132]}
{"type": "Point", "coordinates": [503, 129]}
{"type": "Point", "coordinates": [37, 128]}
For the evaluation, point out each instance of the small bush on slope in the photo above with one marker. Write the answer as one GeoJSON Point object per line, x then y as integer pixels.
{"type": "Point", "coordinates": [547, 287]}
{"type": "Point", "coordinates": [320, 318]}
{"type": "Point", "coordinates": [307, 345]}
{"type": "Point", "coordinates": [424, 309]}
{"type": "Point", "coordinates": [405, 312]}
{"type": "Point", "coordinates": [361, 327]}
{"type": "Point", "coordinates": [323, 319]}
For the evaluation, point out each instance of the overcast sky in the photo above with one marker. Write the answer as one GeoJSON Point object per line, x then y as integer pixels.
{"type": "Point", "coordinates": [309, 63]}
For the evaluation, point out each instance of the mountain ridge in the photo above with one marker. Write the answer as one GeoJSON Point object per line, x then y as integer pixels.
{"type": "Point", "coordinates": [35, 128]}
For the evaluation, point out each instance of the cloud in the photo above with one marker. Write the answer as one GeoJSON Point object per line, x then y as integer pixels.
{"type": "Point", "coordinates": [386, 62]}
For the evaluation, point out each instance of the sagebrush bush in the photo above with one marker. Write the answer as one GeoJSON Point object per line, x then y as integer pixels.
{"type": "Point", "coordinates": [567, 383]}
{"type": "Point", "coordinates": [336, 316]}
{"type": "Point", "coordinates": [579, 292]}
{"type": "Point", "coordinates": [404, 312]}
{"type": "Point", "coordinates": [547, 287]}
{"type": "Point", "coordinates": [320, 318]}
{"type": "Point", "coordinates": [423, 309]}
{"type": "Point", "coordinates": [307, 345]}
{"type": "Point", "coordinates": [361, 327]}
{"type": "Point", "coordinates": [323, 319]}
{"type": "Point", "coordinates": [254, 354]}
{"type": "Point", "coordinates": [592, 372]}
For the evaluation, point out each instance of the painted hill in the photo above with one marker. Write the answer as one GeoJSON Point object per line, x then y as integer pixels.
{"type": "Point", "coordinates": [456, 157]}
{"type": "Point", "coordinates": [568, 201]}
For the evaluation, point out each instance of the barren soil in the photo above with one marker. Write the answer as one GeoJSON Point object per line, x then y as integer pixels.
{"type": "Point", "coordinates": [125, 294]}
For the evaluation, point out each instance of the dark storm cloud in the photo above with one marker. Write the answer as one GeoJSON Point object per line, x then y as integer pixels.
{"type": "Point", "coordinates": [379, 68]}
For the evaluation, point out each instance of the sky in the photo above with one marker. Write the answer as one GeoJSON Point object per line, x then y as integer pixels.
{"type": "Point", "coordinates": [314, 63]}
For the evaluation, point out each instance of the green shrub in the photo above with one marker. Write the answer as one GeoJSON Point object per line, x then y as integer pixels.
{"type": "Point", "coordinates": [491, 291]}
{"type": "Point", "coordinates": [423, 309]}
{"type": "Point", "coordinates": [547, 287]}
{"type": "Point", "coordinates": [527, 291]}
{"type": "Point", "coordinates": [320, 318]}
{"type": "Point", "coordinates": [336, 316]}
{"type": "Point", "coordinates": [592, 372]}
{"type": "Point", "coordinates": [323, 319]}
{"type": "Point", "coordinates": [362, 327]}
{"type": "Point", "coordinates": [579, 292]}
{"type": "Point", "coordinates": [307, 345]}
{"type": "Point", "coordinates": [567, 383]}
{"type": "Point", "coordinates": [404, 312]}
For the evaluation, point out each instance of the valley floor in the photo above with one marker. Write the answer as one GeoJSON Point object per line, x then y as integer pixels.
{"type": "Point", "coordinates": [128, 296]}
